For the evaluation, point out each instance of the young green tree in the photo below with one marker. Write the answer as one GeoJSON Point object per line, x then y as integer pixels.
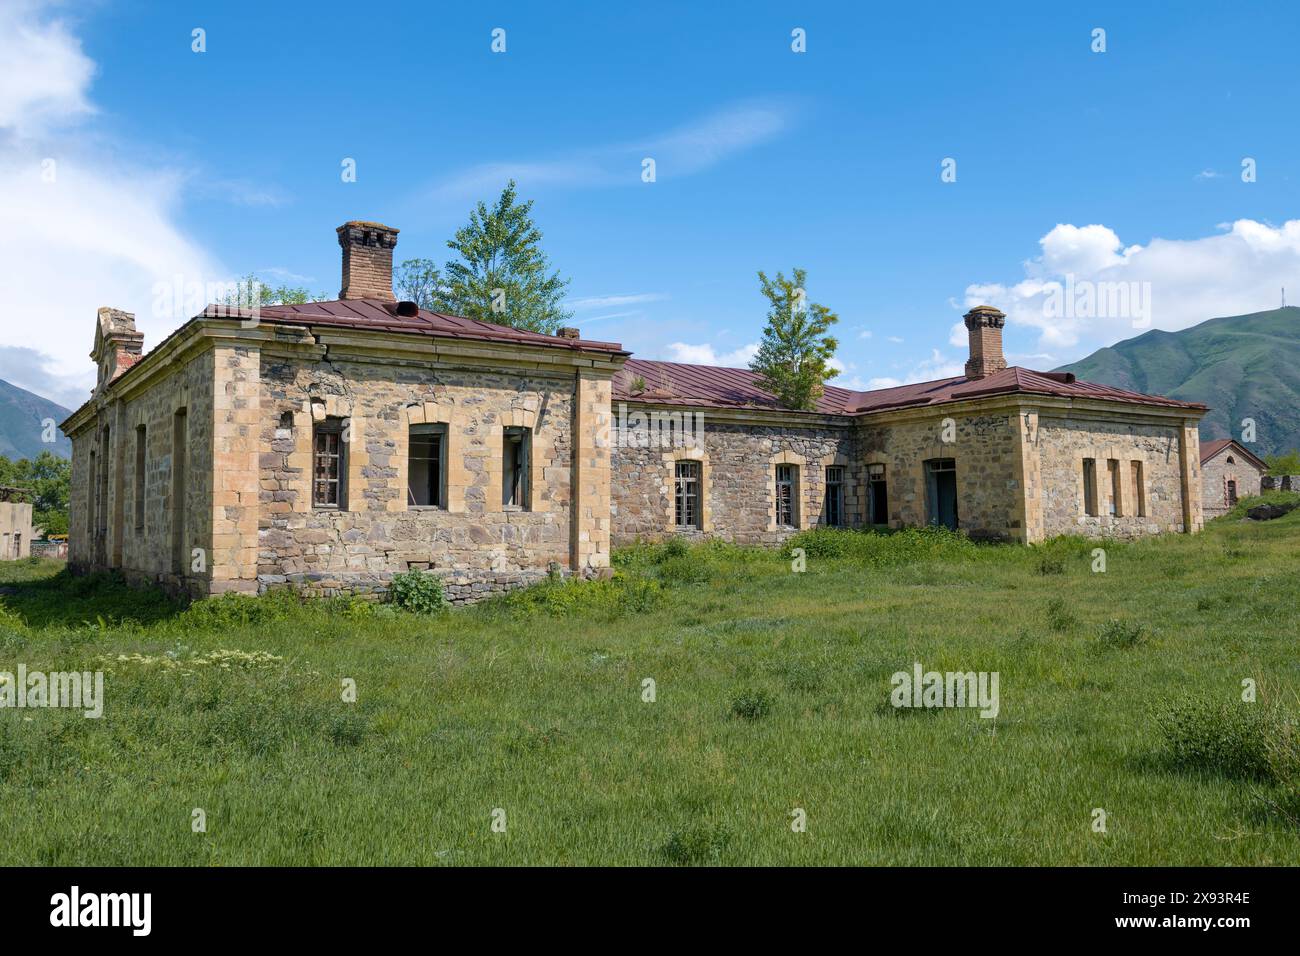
{"type": "Point", "coordinates": [46, 479]}
{"type": "Point", "coordinates": [1284, 463]}
{"type": "Point", "coordinates": [419, 281]}
{"type": "Point", "coordinates": [792, 360]}
{"type": "Point", "coordinates": [251, 287]}
{"type": "Point", "coordinates": [502, 275]}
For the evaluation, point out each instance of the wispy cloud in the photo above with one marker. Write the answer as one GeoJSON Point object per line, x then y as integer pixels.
{"type": "Point", "coordinates": [684, 151]}
{"type": "Point", "coordinates": [83, 228]}
{"type": "Point", "coordinates": [240, 192]}
{"type": "Point", "coordinates": [614, 301]}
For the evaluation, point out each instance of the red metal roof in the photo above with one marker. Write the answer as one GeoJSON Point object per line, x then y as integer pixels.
{"type": "Point", "coordinates": [380, 315]}
{"type": "Point", "coordinates": [673, 383]}
{"type": "Point", "coordinates": [677, 383]}
{"type": "Point", "coordinates": [1211, 448]}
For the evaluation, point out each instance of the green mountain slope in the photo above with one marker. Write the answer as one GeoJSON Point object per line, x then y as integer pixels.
{"type": "Point", "coordinates": [22, 417]}
{"type": "Point", "coordinates": [1242, 366]}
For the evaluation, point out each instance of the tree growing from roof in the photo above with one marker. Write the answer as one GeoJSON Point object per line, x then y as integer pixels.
{"type": "Point", "coordinates": [419, 281]}
{"type": "Point", "coordinates": [793, 358]}
{"type": "Point", "coordinates": [502, 275]}
{"type": "Point", "coordinates": [252, 289]}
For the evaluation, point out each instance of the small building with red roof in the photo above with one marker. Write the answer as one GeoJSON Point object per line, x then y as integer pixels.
{"type": "Point", "coordinates": [1229, 472]}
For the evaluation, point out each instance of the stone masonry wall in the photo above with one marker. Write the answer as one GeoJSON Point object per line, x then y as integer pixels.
{"type": "Point", "coordinates": [105, 531]}
{"type": "Point", "coordinates": [476, 544]}
{"type": "Point", "coordinates": [1062, 445]}
{"type": "Point", "coordinates": [1215, 475]}
{"type": "Point", "coordinates": [984, 448]}
{"type": "Point", "coordinates": [739, 462]}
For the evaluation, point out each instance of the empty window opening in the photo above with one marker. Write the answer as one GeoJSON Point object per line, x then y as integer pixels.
{"type": "Point", "coordinates": [877, 495]}
{"type": "Point", "coordinates": [941, 492]}
{"type": "Point", "coordinates": [834, 505]}
{"type": "Point", "coordinates": [328, 464]}
{"type": "Point", "coordinates": [1232, 492]}
{"type": "Point", "coordinates": [426, 467]}
{"type": "Point", "coordinates": [787, 496]}
{"type": "Point", "coordinates": [515, 454]}
{"type": "Point", "coordinates": [686, 479]}
{"type": "Point", "coordinates": [1116, 492]}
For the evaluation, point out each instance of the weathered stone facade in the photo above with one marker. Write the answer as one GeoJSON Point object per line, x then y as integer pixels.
{"type": "Point", "coordinates": [330, 446]}
{"type": "Point", "coordinates": [1018, 470]}
{"type": "Point", "coordinates": [1154, 466]}
{"type": "Point", "coordinates": [148, 521]}
{"type": "Point", "coordinates": [251, 396]}
{"type": "Point", "coordinates": [738, 461]}
{"type": "Point", "coordinates": [481, 545]}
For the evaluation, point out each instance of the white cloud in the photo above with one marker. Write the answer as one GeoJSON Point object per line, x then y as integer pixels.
{"type": "Point", "coordinates": [864, 334]}
{"type": "Point", "coordinates": [1166, 284]}
{"type": "Point", "coordinates": [45, 73]}
{"type": "Point", "coordinates": [895, 339]}
{"type": "Point", "coordinates": [683, 151]}
{"type": "Point", "coordinates": [612, 301]}
{"type": "Point", "coordinates": [81, 229]}
{"type": "Point", "coordinates": [705, 355]}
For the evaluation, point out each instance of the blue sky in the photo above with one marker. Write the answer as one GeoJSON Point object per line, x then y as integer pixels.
{"type": "Point", "coordinates": [1123, 163]}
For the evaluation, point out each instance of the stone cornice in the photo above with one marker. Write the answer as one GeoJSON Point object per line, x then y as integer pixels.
{"type": "Point", "coordinates": [314, 343]}
{"type": "Point", "coordinates": [745, 416]}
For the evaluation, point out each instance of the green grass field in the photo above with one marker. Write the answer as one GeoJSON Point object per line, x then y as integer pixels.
{"type": "Point", "coordinates": [771, 693]}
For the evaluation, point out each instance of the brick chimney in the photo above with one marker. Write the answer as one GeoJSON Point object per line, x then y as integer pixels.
{"type": "Point", "coordinates": [118, 345]}
{"type": "Point", "coordinates": [985, 323]}
{"type": "Point", "coordinates": [367, 260]}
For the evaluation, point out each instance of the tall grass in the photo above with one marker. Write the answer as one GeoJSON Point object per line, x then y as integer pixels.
{"type": "Point", "coordinates": [680, 712]}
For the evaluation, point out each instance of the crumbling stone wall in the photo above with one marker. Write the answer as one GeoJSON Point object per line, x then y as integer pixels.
{"type": "Point", "coordinates": [1279, 483]}
{"type": "Point", "coordinates": [103, 528]}
{"type": "Point", "coordinates": [983, 446]}
{"type": "Point", "coordinates": [1063, 443]}
{"type": "Point", "coordinates": [476, 544]}
{"type": "Point", "coordinates": [739, 462]}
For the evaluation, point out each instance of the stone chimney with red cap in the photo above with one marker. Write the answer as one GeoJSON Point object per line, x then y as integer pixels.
{"type": "Point", "coordinates": [984, 324]}
{"type": "Point", "coordinates": [367, 260]}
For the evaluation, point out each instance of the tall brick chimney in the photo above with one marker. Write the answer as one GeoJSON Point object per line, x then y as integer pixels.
{"type": "Point", "coordinates": [118, 345]}
{"type": "Point", "coordinates": [367, 260]}
{"type": "Point", "coordinates": [984, 324]}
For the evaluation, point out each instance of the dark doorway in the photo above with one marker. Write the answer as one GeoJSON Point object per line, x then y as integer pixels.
{"type": "Point", "coordinates": [941, 492]}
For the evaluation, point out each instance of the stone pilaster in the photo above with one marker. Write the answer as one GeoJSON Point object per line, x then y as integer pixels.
{"type": "Point", "coordinates": [235, 444]}
{"type": "Point", "coordinates": [1028, 475]}
{"type": "Point", "coordinates": [1189, 461]}
{"type": "Point", "coordinates": [589, 536]}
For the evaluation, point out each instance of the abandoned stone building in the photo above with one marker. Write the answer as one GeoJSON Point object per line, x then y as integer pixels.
{"type": "Point", "coordinates": [1229, 472]}
{"type": "Point", "coordinates": [331, 445]}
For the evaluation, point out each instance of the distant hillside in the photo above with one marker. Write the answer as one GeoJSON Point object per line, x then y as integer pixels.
{"type": "Point", "coordinates": [1242, 366]}
{"type": "Point", "coordinates": [22, 415]}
